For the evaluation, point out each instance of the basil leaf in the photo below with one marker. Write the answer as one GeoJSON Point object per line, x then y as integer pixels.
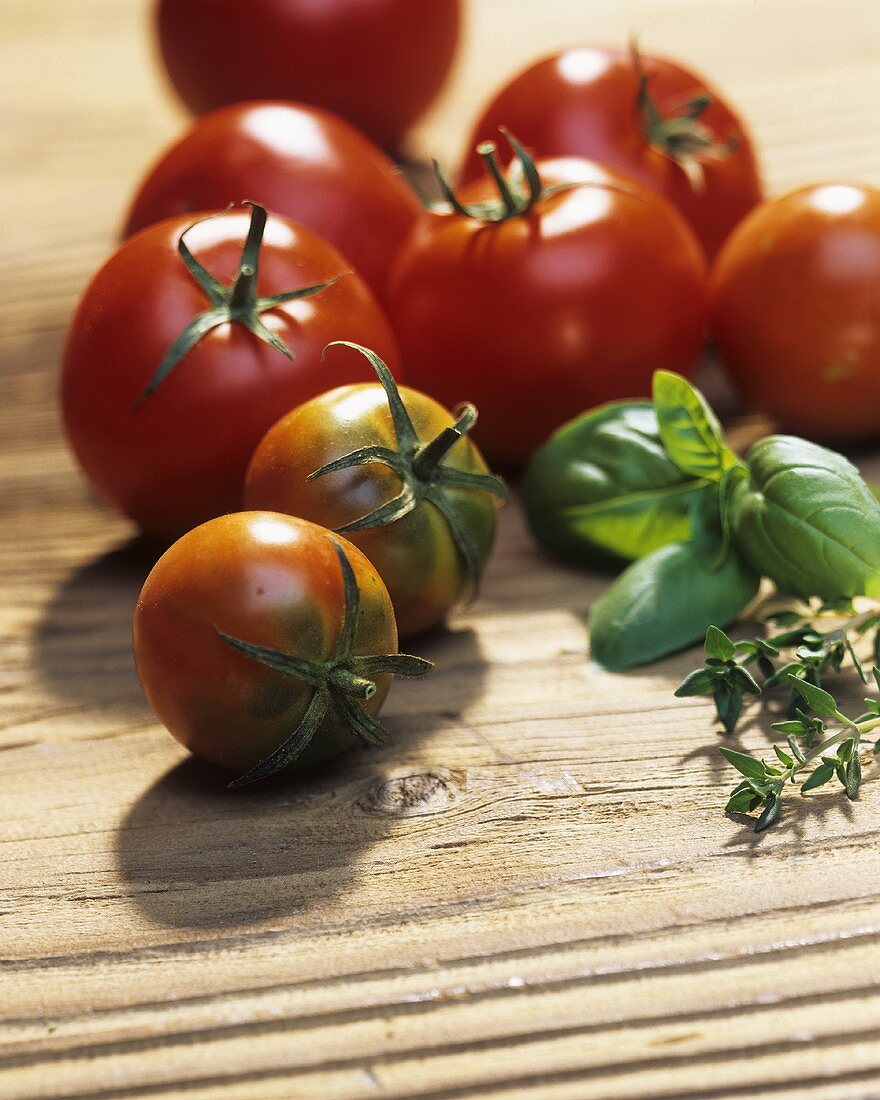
{"type": "Point", "coordinates": [602, 488]}
{"type": "Point", "coordinates": [667, 601]}
{"type": "Point", "coordinates": [805, 518]}
{"type": "Point", "coordinates": [689, 428]}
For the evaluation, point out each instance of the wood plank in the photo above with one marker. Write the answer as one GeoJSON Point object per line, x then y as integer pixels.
{"type": "Point", "coordinates": [531, 891]}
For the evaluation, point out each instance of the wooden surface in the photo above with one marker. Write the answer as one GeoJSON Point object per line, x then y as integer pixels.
{"type": "Point", "coordinates": [531, 890]}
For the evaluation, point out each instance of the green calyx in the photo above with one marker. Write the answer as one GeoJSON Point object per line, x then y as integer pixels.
{"type": "Point", "coordinates": [680, 136]}
{"type": "Point", "coordinates": [340, 684]}
{"type": "Point", "coordinates": [420, 466]}
{"type": "Point", "coordinates": [518, 189]}
{"type": "Point", "coordinates": [235, 304]}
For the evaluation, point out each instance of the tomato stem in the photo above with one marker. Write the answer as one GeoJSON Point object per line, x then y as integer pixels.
{"type": "Point", "coordinates": [339, 684]}
{"type": "Point", "coordinates": [680, 136]}
{"type": "Point", "coordinates": [423, 474]}
{"type": "Point", "coordinates": [238, 303]}
{"type": "Point", "coordinates": [518, 189]}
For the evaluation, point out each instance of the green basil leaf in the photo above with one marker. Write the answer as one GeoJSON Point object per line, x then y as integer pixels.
{"type": "Point", "coordinates": [602, 488]}
{"type": "Point", "coordinates": [689, 428]}
{"type": "Point", "coordinates": [667, 601]}
{"type": "Point", "coordinates": [805, 518]}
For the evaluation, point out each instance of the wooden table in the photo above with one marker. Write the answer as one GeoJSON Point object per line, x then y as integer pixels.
{"type": "Point", "coordinates": [531, 890]}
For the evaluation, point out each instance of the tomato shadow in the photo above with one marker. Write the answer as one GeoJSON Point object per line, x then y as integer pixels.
{"type": "Point", "coordinates": [193, 854]}
{"type": "Point", "coordinates": [82, 643]}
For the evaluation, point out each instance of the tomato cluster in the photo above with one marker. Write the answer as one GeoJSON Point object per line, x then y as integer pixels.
{"type": "Point", "coordinates": [555, 277]}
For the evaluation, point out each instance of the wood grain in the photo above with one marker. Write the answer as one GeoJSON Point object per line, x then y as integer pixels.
{"type": "Point", "coordinates": [531, 890]}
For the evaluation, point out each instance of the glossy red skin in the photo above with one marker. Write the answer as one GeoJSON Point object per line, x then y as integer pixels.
{"type": "Point", "coordinates": [583, 102]}
{"type": "Point", "coordinates": [298, 161]}
{"type": "Point", "coordinates": [416, 555]}
{"type": "Point", "coordinates": [179, 457]}
{"type": "Point", "coordinates": [377, 63]}
{"type": "Point", "coordinates": [541, 317]}
{"type": "Point", "coordinates": [795, 307]}
{"type": "Point", "coordinates": [271, 580]}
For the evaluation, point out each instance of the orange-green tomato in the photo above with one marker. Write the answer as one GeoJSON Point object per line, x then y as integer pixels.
{"type": "Point", "coordinates": [269, 580]}
{"type": "Point", "coordinates": [415, 555]}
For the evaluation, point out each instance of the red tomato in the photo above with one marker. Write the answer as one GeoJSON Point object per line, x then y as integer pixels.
{"type": "Point", "coordinates": [592, 102]}
{"type": "Point", "coordinates": [546, 313]}
{"type": "Point", "coordinates": [178, 456]}
{"type": "Point", "coordinates": [297, 161]}
{"type": "Point", "coordinates": [795, 305]}
{"type": "Point", "coordinates": [378, 63]}
{"type": "Point", "coordinates": [263, 641]}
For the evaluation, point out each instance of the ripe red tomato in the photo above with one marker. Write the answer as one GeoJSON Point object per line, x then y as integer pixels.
{"type": "Point", "coordinates": [264, 642]}
{"type": "Point", "coordinates": [178, 456]}
{"type": "Point", "coordinates": [297, 161]}
{"type": "Point", "coordinates": [415, 494]}
{"type": "Point", "coordinates": [575, 300]}
{"type": "Point", "coordinates": [795, 310]}
{"type": "Point", "coordinates": [645, 116]}
{"type": "Point", "coordinates": [378, 63]}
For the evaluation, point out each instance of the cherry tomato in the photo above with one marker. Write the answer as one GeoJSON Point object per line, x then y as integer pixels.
{"type": "Point", "coordinates": [263, 641]}
{"type": "Point", "coordinates": [549, 306]}
{"type": "Point", "coordinates": [795, 304]}
{"type": "Point", "coordinates": [397, 475]}
{"type": "Point", "coordinates": [170, 378]}
{"type": "Point", "coordinates": [378, 63]}
{"type": "Point", "coordinates": [297, 161]}
{"type": "Point", "coordinates": [651, 118]}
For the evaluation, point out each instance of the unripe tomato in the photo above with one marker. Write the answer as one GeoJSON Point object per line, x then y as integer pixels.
{"type": "Point", "coordinates": [378, 63]}
{"type": "Point", "coordinates": [398, 476]}
{"type": "Point", "coordinates": [263, 642]}
{"type": "Point", "coordinates": [172, 372]}
{"type": "Point", "coordinates": [298, 161]}
{"type": "Point", "coordinates": [795, 310]}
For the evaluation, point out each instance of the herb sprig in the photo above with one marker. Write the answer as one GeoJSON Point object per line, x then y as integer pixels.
{"type": "Point", "coordinates": [794, 660]}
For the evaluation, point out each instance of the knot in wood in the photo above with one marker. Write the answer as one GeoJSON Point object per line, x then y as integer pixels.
{"type": "Point", "coordinates": [410, 795]}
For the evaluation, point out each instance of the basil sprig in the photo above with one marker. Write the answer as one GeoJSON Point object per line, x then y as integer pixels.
{"type": "Point", "coordinates": [793, 512]}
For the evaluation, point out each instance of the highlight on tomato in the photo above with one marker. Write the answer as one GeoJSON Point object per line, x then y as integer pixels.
{"type": "Point", "coordinates": [544, 291]}
{"type": "Point", "coordinates": [265, 643]}
{"type": "Point", "coordinates": [377, 63]}
{"type": "Point", "coordinates": [647, 116]}
{"type": "Point", "coordinates": [396, 473]}
{"type": "Point", "coordinates": [795, 310]}
{"type": "Point", "coordinates": [190, 342]}
{"type": "Point", "coordinates": [295, 160]}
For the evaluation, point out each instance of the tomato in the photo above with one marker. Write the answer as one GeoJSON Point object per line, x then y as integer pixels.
{"type": "Point", "coordinates": [169, 447]}
{"type": "Point", "coordinates": [795, 310]}
{"type": "Point", "coordinates": [567, 300]}
{"type": "Point", "coordinates": [378, 63]}
{"type": "Point", "coordinates": [398, 476]}
{"type": "Point", "coordinates": [263, 641]}
{"type": "Point", "coordinates": [297, 161]}
{"type": "Point", "coordinates": [651, 118]}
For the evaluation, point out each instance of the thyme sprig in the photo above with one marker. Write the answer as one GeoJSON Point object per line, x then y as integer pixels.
{"type": "Point", "coordinates": [794, 659]}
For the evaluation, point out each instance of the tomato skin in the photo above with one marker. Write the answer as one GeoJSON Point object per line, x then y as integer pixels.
{"type": "Point", "coordinates": [540, 317]}
{"type": "Point", "coordinates": [377, 63]}
{"type": "Point", "coordinates": [297, 161]}
{"type": "Point", "coordinates": [179, 457]}
{"type": "Point", "coordinates": [584, 102]}
{"type": "Point", "coordinates": [416, 555]}
{"type": "Point", "coordinates": [270, 580]}
{"type": "Point", "coordinates": [795, 310]}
